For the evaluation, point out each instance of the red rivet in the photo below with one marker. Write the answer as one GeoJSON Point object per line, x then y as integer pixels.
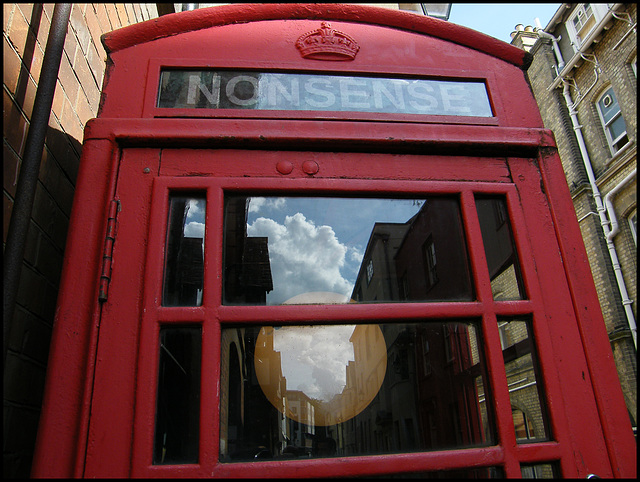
{"type": "Point", "coordinates": [310, 167]}
{"type": "Point", "coordinates": [284, 167]}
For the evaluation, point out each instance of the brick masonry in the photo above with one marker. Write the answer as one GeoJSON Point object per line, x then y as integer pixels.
{"type": "Point", "coordinates": [615, 55]}
{"type": "Point", "coordinates": [77, 96]}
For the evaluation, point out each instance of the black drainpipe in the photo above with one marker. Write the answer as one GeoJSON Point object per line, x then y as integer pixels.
{"type": "Point", "coordinates": [28, 179]}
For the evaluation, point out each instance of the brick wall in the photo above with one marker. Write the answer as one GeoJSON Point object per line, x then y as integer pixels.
{"type": "Point", "coordinates": [614, 53]}
{"type": "Point", "coordinates": [76, 100]}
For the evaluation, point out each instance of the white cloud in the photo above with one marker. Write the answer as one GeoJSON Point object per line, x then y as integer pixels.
{"type": "Point", "coordinates": [194, 230]}
{"type": "Point", "coordinates": [258, 203]}
{"type": "Point", "coordinates": [314, 358]}
{"type": "Point", "coordinates": [304, 257]}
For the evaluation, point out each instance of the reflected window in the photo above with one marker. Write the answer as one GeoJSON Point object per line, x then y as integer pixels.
{"type": "Point", "coordinates": [341, 390]}
{"type": "Point", "coordinates": [540, 471]}
{"type": "Point", "coordinates": [184, 261]}
{"type": "Point", "coordinates": [522, 424]}
{"type": "Point", "coordinates": [521, 366]}
{"type": "Point", "coordinates": [281, 250]}
{"type": "Point", "coordinates": [178, 404]}
{"type": "Point", "coordinates": [500, 250]}
{"type": "Point", "coordinates": [429, 250]}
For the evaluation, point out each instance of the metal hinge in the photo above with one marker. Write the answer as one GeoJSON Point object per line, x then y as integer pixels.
{"type": "Point", "coordinates": [107, 252]}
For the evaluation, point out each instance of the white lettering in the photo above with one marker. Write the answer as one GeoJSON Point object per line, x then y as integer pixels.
{"type": "Point", "coordinates": [231, 88]}
{"type": "Point", "coordinates": [213, 95]}
{"type": "Point", "coordinates": [275, 87]}
{"type": "Point", "coordinates": [380, 88]}
{"type": "Point", "coordinates": [330, 98]}
{"type": "Point", "coordinates": [448, 97]}
{"type": "Point", "coordinates": [346, 94]}
{"type": "Point", "coordinates": [414, 91]}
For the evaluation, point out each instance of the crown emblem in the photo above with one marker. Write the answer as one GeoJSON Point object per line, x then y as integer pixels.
{"type": "Point", "coordinates": [327, 43]}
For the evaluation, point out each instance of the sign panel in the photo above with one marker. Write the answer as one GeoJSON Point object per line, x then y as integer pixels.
{"type": "Point", "coordinates": [208, 89]}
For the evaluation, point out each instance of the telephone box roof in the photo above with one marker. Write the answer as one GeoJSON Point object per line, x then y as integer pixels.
{"type": "Point", "coordinates": [177, 23]}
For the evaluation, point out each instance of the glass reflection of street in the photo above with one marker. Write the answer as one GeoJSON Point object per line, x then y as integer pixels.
{"type": "Point", "coordinates": [364, 388]}
{"type": "Point", "coordinates": [421, 394]}
{"type": "Point", "coordinates": [320, 375]}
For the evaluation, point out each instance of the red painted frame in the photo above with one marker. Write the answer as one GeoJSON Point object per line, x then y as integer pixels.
{"type": "Point", "coordinates": [98, 405]}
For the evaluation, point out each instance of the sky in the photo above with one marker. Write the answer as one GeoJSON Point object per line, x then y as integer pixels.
{"type": "Point", "coordinates": [500, 19]}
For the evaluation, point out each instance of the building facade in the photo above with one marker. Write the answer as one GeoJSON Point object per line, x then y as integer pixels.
{"type": "Point", "coordinates": [584, 78]}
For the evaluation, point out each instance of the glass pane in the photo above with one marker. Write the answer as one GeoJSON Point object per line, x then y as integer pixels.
{"type": "Point", "coordinates": [617, 128]}
{"type": "Point", "coordinates": [207, 89]}
{"type": "Point", "coordinates": [178, 405]}
{"type": "Point", "coordinates": [540, 471]}
{"type": "Point", "coordinates": [341, 390]}
{"type": "Point", "coordinates": [293, 250]}
{"type": "Point", "coordinates": [609, 106]}
{"type": "Point", "coordinates": [184, 262]}
{"type": "Point", "coordinates": [529, 417]}
{"type": "Point", "coordinates": [500, 250]}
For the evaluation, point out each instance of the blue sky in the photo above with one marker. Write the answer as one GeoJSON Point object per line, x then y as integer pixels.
{"type": "Point", "coordinates": [500, 19]}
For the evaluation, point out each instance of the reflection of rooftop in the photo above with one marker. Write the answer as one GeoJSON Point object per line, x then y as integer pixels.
{"type": "Point", "coordinates": [256, 270]}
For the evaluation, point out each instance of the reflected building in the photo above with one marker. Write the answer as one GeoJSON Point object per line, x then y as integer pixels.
{"type": "Point", "coordinates": [424, 389]}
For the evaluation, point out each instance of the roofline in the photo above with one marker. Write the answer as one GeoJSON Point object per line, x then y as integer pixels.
{"type": "Point", "coordinates": [177, 23]}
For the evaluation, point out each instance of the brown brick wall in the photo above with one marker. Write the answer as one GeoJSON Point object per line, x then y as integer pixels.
{"type": "Point", "coordinates": [76, 100]}
{"type": "Point", "coordinates": [615, 71]}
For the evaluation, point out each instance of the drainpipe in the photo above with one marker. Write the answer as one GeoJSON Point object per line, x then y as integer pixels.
{"type": "Point", "coordinates": [626, 301]}
{"type": "Point", "coordinates": [610, 229]}
{"type": "Point", "coordinates": [554, 41]}
{"type": "Point", "coordinates": [602, 213]}
{"type": "Point", "coordinates": [28, 179]}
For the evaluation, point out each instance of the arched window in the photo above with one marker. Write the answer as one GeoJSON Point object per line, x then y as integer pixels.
{"type": "Point", "coordinates": [633, 224]}
{"type": "Point", "coordinates": [614, 126]}
{"type": "Point", "coordinates": [522, 424]}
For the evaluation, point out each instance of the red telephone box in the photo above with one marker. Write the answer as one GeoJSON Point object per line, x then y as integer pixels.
{"type": "Point", "coordinates": [325, 240]}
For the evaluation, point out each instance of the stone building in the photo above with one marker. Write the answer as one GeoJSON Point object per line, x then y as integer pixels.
{"type": "Point", "coordinates": [584, 78]}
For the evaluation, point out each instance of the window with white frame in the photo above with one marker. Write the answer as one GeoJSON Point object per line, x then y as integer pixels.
{"type": "Point", "coordinates": [583, 21]}
{"type": "Point", "coordinates": [633, 224]}
{"type": "Point", "coordinates": [614, 126]}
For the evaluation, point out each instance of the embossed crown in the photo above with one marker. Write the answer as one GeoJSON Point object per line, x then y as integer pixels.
{"type": "Point", "coordinates": [327, 43]}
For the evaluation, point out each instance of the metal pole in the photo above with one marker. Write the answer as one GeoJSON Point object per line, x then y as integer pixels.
{"type": "Point", "coordinates": [28, 179]}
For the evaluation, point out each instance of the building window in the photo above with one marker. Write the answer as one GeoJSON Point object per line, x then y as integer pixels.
{"type": "Point", "coordinates": [369, 271]}
{"type": "Point", "coordinates": [633, 225]}
{"type": "Point", "coordinates": [429, 249]}
{"type": "Point", "coordinates": [523, 426]}
{"type": "Point", "coordinates": [583, 20]}
{"type": "Point", "coordinates": [615, 129]}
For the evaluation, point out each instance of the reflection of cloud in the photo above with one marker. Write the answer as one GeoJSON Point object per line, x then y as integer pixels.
{"type": "Point", "coordinates": [314, 358]}
{"type": "Point", "coordinates": [196, 209]}
{"type": "Point", "coordinates": [257, 203]}
{"type": "Point", "coordinates": [194, 230]}
{"type": "Point", "coordinates": [303, 256]}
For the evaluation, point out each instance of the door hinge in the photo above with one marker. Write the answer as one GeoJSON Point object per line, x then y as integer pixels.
{"type": "Point", "coordinates": [107, 252]}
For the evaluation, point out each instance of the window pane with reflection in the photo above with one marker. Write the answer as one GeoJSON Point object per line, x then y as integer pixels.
{"type": "Point", "coordinates": [178, 405]}
{"type": "Point", "coordinates": [500, 250]}
{"type": "Point", "coordinates": [184, 260]}
{"type": "Point", "coordinates": [527, 407]}
{"type": "Point", "coordinates": [340, 390]}
{"type": "Point", "coordinates": [296, 250]}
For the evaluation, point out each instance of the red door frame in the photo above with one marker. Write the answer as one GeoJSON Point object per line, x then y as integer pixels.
{"type": "Point", "coordinates": [617, 448]}
{"type": "Point", "coordinates": [118, 147]}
